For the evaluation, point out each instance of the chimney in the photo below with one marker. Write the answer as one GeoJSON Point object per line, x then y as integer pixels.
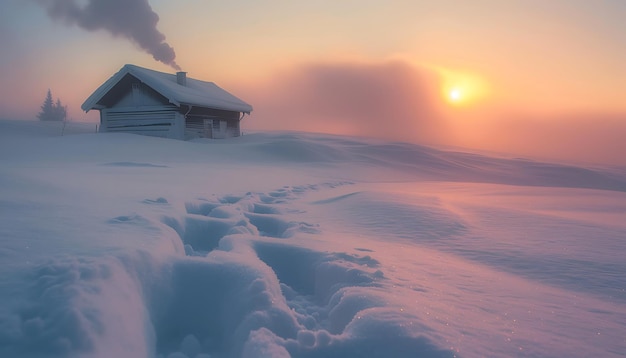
{"type": "Point", "coordinates": [181, 78]}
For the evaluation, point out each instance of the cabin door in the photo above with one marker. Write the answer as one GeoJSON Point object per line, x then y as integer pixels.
{"type": "Point", "coordinates": [219, 129]}
{"type": "Point", "coordinates": [207, 130]}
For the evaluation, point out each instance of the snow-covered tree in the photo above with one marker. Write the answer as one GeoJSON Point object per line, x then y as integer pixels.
{"type": "Point", "coordinates": [51, 111]}
{"type": "Point", "coordinates": [60, 111]}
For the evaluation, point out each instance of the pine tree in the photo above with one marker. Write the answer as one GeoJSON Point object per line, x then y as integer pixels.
{"type": "Point", "coordinates": [51, 111]}
{"type": "Point", "coordinates": [60, 111]}
{"type": "Point", "coordinates": [47, 109]}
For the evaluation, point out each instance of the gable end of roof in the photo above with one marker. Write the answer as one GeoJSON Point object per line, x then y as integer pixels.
{"type": "Point", "coordinates": [195, 93]}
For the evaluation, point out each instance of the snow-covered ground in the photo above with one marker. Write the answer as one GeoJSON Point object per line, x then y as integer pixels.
{"type": "Point", "coordinates": [302, 245]}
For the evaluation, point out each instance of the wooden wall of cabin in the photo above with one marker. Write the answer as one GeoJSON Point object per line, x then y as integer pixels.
{"type": "Point", "coordinates": [210, 123]}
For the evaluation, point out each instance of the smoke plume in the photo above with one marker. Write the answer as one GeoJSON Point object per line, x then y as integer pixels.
{"type": "Point", "coordinates": [132, 19]}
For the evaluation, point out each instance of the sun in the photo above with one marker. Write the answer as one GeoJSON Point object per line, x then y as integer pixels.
{"type": "Point", "coordinates": [461, 89]}
{"type": "Point", "coordinates": [455, 95]}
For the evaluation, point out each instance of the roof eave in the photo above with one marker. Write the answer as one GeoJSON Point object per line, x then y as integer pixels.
{"type": "Point", "coordinates": [92, 101]}
{"type": "Point", "coordinates": [223, 108]}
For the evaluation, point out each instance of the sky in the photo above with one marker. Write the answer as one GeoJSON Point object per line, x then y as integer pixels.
{"type": "Point", "coordinates": [533, 78]}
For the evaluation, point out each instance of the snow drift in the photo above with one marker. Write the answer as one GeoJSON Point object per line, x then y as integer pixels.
{"type": "Point", "coordinates": [302, 245]}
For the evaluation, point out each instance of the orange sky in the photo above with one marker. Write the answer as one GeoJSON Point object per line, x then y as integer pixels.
{"type": "Point", "coordinates": [536, 78]}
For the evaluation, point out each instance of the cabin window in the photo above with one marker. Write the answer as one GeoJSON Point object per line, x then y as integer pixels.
{"type": "Point", "coordinates": [216, 124]}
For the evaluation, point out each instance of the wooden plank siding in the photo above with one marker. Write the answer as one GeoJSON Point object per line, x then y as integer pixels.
{"type": "Point", "coordinates": [143, 101]}
{"type": "Point", "coordinates": [133, 107]}
{"type": "Point", "coordinates": [197, 127]}
{"type": "Point", "coordinates": [215, 125]}
{"type": "Point", "coordinates": [153, 121]}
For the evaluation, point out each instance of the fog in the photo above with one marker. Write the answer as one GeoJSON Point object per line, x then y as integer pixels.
{"type": "Point", "coordinates": [395, 100]}
{"type": "Point", "coordinates": [390, 100]}
{"type": "Point", "coordinates": [576, 137]}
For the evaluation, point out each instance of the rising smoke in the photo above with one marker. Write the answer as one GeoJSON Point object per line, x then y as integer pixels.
{"type": "Point", "coordinates": [131, 19]}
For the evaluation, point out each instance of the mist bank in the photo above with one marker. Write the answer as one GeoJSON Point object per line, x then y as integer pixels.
{"type": "Point", "coordinates": [573, 137]}
{"type": "Point", "coordinates": [392, 100]}
{"type": "Point", "coordinates": [396, 100]}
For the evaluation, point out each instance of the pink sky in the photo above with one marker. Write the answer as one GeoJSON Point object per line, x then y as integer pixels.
{"type": "Point", "coordinates": [535, 78]}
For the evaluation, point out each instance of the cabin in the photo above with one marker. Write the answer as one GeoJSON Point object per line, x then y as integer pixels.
{"type": "Point", "coordinates": [143, 101]}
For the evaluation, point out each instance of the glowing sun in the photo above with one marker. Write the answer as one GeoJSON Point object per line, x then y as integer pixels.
{"type": "Point", "coordinates": [462, 89]}
{"type": "Point", "coordinates": [455, 95]}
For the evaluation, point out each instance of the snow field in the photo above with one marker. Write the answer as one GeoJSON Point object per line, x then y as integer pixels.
{"type": "Point", "coordinates": [302, 245]}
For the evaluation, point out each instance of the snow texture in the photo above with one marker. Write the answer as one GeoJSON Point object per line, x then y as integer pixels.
{"type": "Point", "coordinates": [195, 92]}
{"type": "Point", "coordinates": [302, 245]}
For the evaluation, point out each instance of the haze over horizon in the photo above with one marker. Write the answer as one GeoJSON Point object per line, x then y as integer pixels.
{"type": "Point", "coordinates": [415, 178]}
{"type": "Point", "coordinates": [542, 79]}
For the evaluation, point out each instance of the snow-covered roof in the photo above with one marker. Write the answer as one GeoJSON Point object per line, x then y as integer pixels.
{"type": "Point", "coordinates": [195, 93]}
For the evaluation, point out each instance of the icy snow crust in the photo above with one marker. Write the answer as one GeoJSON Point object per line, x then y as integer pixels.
{"type": "Point", "coordinates": [302, 245]}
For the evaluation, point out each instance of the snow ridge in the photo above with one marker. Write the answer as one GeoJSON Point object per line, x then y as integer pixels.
{"type": "Point", "coordinates": [240, 292]}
